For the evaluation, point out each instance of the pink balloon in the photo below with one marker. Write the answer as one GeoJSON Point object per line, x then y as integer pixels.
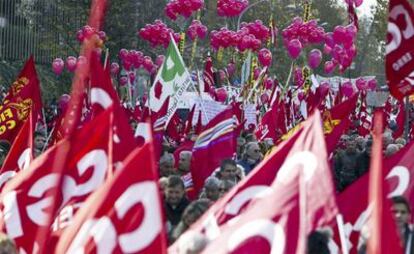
{"type": "Point", "coordinates": [221, 95]}
{"type": "Point", "coordinates": [160, 60]}
{"type": "Point", "coordinates": [63, 102]}
{"type": "Point", "coordinates": [372, 84]}
{"type": "Point", "coordinates": [79, 36]}
{"type": "Point", "coordinates": [58, 65]}
{"type": "Point", "coordinates": [294, 48]}
{"type": "Point", "coordinates": [301, 96]}
{"type": "Point", "coordinates": [148, 64]}
{"type": "Point", "coordinates": [315, 58]}
{"type": "Point", "coordinates": [114, 68]}
{"type": "Point", "coordinates": [256, 73]}
{"type": "Point", "coordinates": [123, 81]}
{"type": "Point", "coordinates": [347, 89]}
{"type": "Point", "coordinates": [268, 83]}
{"type": "Point", "coordinates": [265, 57]}
{"type": "Point", "coordinates": [71, 63]}
{"type": "Point", "coordinates": [264, 98]}
{"type": "Point", "coordinates": [324, 88]}
{"type": "Point", "coordinates": [327, 50]}
{"type": "Point", "coordinates": [329, 67]}
{"type": "Point", "coordinates": [131, 76]}
{"type": "Point", "coordinates": [361, 84]}
{"type": "Point", "coordinates": [123, 54]}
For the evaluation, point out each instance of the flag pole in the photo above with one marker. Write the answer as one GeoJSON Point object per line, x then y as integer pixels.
{"type": "Point", "coordinates": [407, 118]}
{"type": "Point", "coordinates": [340, 222]}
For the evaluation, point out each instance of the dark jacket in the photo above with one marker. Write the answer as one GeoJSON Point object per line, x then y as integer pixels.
{"type": "Point", "coordinates": [174, 214]}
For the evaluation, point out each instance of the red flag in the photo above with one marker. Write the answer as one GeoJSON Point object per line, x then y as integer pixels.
{"type": "Point", "coordinates": [20, 154]}
{"type": "Point", "coordinates": [336, 121]}
{"type": "Point", "coordinates": [268, 124]}
{"type": "Point", "coordinates": [400, 120]}
{"type": "Point", "coordinates": [31, 199]}
{"type": "Point", "coordinates": [189, 121]}
{"type": "Point", "coordinates": [199, 126]}
{"type": "Point", "coordinates": [124, 216]}
{"type": "Point", "coordinates": [208, 78]}
{"type": "Point", "coordinates": [383, 233]}
{"type": "Point", "coordinates": [215, 143]}
{"type": "Point", "coordinates": [399, 60]}
{"type": "Point", "coordinates": [22, 97]}
{"type": "Point", "coordinates": [365, 119]}
{"type": "Point", "coordinates": [174, 127]}
{"type": "Point", "coordinates": [300, 199]}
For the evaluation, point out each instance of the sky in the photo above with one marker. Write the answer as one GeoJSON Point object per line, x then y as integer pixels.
{"type": "Point", "coordinates": [364, 9]}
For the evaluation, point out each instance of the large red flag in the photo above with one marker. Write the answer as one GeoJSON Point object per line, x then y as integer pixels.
{"type": "Point", "coordinates": [300, 200]}
{"type": "Point", "coordinates": [269, 123]}
{"type": "Point", "coordinates": [215, 143]}
{"type": "Point", "coordinates": [23, 96]}
{"type": "Point", "coordinates": [399, 60]}
{"type": "Point", "coordinates": [21, 153]}
{"type": "Point", "coordinates": [31, 199]}
{"type": "Point", "coordinates": [383, 235]}
{"type": "Point", "coordinates": [234, 203]}
{"type": "Point", "coordinates": [124, 215]}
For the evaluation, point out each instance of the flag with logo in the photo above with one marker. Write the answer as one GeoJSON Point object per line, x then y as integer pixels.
{"type": "Point", "coordinates": [399, 61]}
{"type": "Point", "coordinates": [22, 97]}
{"type": "Point", "coordinates": [172, 81]}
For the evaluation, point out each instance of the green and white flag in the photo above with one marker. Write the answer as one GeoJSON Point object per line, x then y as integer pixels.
{"type": "Point", "coordinates": [172, 80]}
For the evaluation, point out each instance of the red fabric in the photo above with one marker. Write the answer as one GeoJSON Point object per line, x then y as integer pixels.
{"type": "Point", "coordinates": [127, 207]}
{"type": "Point", "coordinates": [174, 127]}
{"type": "Point", "coordinates": [215, 143]}
{"type": "Point", "coordinates": [280, 219]}
{"type": "Point", "coordinates": [189, 121]}
{"type": "Point", "coordinates": [399, 64]}
{"type": "Point", "coordinates": [20, 154]}
{"type": "Point", "coordinates": [57, 177]}
{"type": "Point", "coordinates": [22, 97]}
{"type": "Point", "coordinates": [365, 119]}
{"type": "Point", "coordinates": [199, 126]}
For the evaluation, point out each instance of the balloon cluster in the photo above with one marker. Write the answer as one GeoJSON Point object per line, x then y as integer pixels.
{"type": "Point", "coordinates": [242, 39]}
{"type": "Point", "coordinates": [341, 47]}
{"type": "Point", "coordinates": [158, 34]}
{"type": "Point", "coordinates": [231, 8]}
{"type": "Point", "coordinates": [58, 64]}
{"type": "Point", "coordinates": [184, 8]}
{"type": "Point", "coordinates": [134, 59]}
{"type": "Point", "coordinates": [363, 84]}
{"type": "Point", "coordinates": [87, 32]}
{"type": "Point", "coordinates": [300, 34]}
{"type": "Point", "coordinates": [257, 29]}
{"type": "Point", "coordinates": [197, 30]}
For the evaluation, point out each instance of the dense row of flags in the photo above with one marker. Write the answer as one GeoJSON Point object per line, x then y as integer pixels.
{"type": "Point", "coordinates": [95, 189]}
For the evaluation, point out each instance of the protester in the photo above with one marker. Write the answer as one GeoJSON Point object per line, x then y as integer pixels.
{"type": "Point", "coordinates": [225, 186]}
{"type": "Point", "coordinates": [39, 143]}
{"type": "Point", "coordinates": [166, 165]}
{"type": "Point", "coordinates": [346, 164]}
{"type": "Point", "coordinates": [175, 201]}
{"type": "Point", "coordinates": [251, 157]}
{"type": "Point", "coordinates": [228, 171]}
{"type": "Point", "coordinates": [211, 189]}
{"type": "Point", "coordinates": [391, 149]}
{"type": "Point", "coordinates": [7, 245]}
{"type": "Point", "coordinates": [402, 213]}
{"type": "Point", "coordinates": [190, 215]}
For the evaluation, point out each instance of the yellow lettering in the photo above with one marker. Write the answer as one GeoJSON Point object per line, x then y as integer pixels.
{"type": "Point", "coordinates": [2, 129]}
{"type": "Point", "coordinates": [8, 113]}
{"type": "Point", "coordinates": [11, 124]}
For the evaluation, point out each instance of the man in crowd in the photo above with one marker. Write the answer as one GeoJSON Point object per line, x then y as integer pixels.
{"type": "Point", "coordinates": [175, 201]}
{"type": "Point", "coordinates": [228, 171]}
{"type": "Point", "coordinates": [402, 214]}
{"type": "Point", "coordinates": [251, 157]}
{"type": "Point", "coordinates": [166, 165]}
{"type": "Point", "coordinates": [38, 143]}
{"type": "Point", "coordinates": [346, 164]}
